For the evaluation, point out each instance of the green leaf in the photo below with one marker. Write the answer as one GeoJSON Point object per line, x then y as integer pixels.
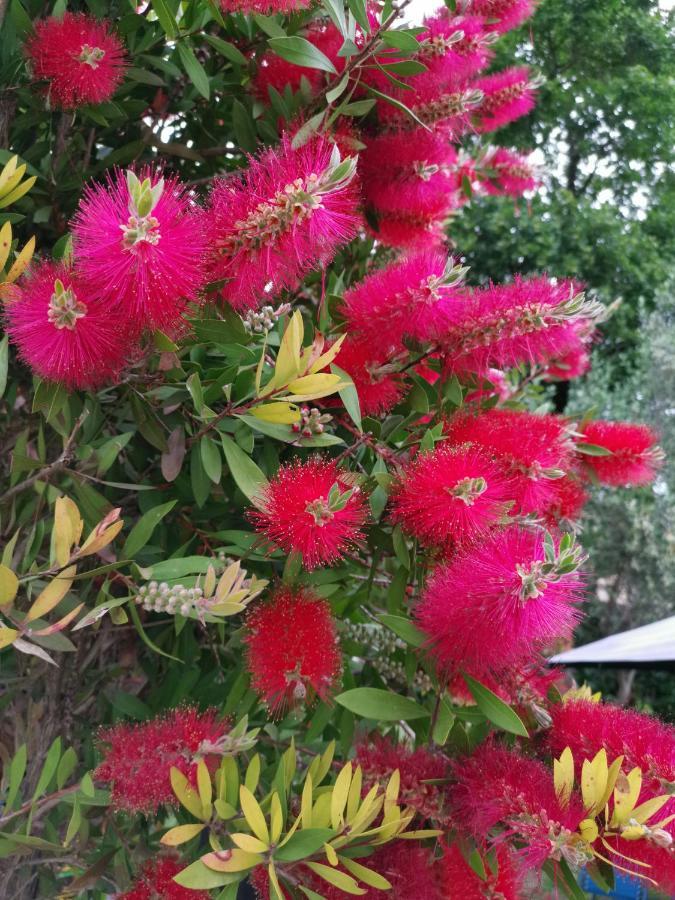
{"type": "Point", "coordinates": [401, 40]}
{"type": "Point", "coordinates": [166, 18]}
{"type": "Point", "coordinates": [405, 629]}
{"type": "Point", "coordinates": [358, 8]}
{"type": "Point", "coordinates": [142, 531]}
{"type": "Point", "coordinates": [592, 449]}
{"type": "Point", "coordinates": [349, 396]}
{"type": "Point", "coordinates": [562, 876]}
{"type": "Point", "coordinates": [194, 69]}
{"type": "Point", "coordinates": [400, 547]}
{"type": "Point", "coordinates": [199, 877]}
{"type": "Point", "coordinates": [244, 129]}
{"type": "Point", "coordinates": [66, 767]}
{"type": "Point", "coordinates": [494, 709]}
{"type": "Point", "coordinates": [303, 844]}
{"type": "Point", "coordinates": [48, 769]}
{"type": "Point", "coordinates": [247, 476]}
{"type": "Point", "coordinates": [405, 67]}
{"type": "Point", "coordinates": [400, 106]}
{"type": "Point", "coordinates": [20, 18]}
{"type": "Point", "coordinates": [229, 51]}
{"type": "Point", "coordinates": [211, 459]}
{"type": "Point", "coordinates": [336, 11]}
{"type": "Point", "coordinates": [74, 823]}
{"type": "Point", "coordinates": [299, 51]}
{"type": "Point", "coordinates": [384, 706]}
{"type": "Point", "coordinates": [17, 769]}
{"type": "Point", "coordinates": [4, 359]}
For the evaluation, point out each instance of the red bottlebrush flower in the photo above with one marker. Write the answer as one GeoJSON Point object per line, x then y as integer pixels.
{"type": "Point", "coordinates": [414, 232]}
{"type": "Point", "coordinates": [374, 374]}
{"type": "Point", "coordinates": [293, 652]}
{"type": "Point", "coordinates": [573, 364]}
{"type": "Point", "coordinates": [507, 96]}
{"type": "Point", "coordinates": [504, 325]}
{"type": "Point", "coordinates": [64, 333]}
{"type": "Point", "coordinates": [449, 56]}
{"type": "Point", "coordinates": [80, 57]}
{"type": "Point", "coordinates": [495, 604]}
{"type": "Point", "coordinates": [658, 861]}
{"type": "Point", "coordinates": [510, 173]}
{"type": "Point", "coordinates": [287, 214]}
{"type": "Point", "coordinates": [535, 450]}
{"type": "Point", "coordinates": [140, 245]}
{"type": "Point", "coordinates": [635, 456]}
{"type": "Point", "coordinates": [156, 882]}
{"type": "Point", "coordinates": [379, 758]}
{"type": "Point", "coordinates": [459, 880]}
{"type": "Point", "coordinates": [414, 297]}
{"type": "Point", "coordinates": [309, 508]}
{"type": "Point", "coordinates": [495, 786]}
{"type": "Point", "coordinates": [642, 740]}
{"type": "Point", "coordinates": [450, 495]}
{"type": "Point", "coordinates": [138, 760]}
{"type": "Point", "coordinates": [445, 108]}
{"type": "Point", "coordinates": [567, 502]}
{"type": "Point", "coordinates": [501, 15]}
{"type": "Point", "coordinates": [266, 7]}
{"type": "Point", "coordinates": [420, 168]}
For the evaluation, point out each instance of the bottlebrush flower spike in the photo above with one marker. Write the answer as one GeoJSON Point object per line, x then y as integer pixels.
{"type": "Point", "coordinates": [444, 108]}
{"type": "Point", "coordinates": [379, 758]}
{"type": "Point", "coordinates": [507, 96]}
{"type": "Point", "coordinates": [415, 298]}
{"type": "Point", "coordinates": [138, 758]}
{"type": "Point", "coordinates": [496, 603]}
{"type": "Point", "coordinates": [313, 509]}
{"type": "Point", "coordinates": [414, 232]}
{"type": "Point", "coordinates": [374, 373]}
{"type": "Point", "coordinates": [454, 47]}
{"type": "Point", "coordinates": [634, 455]}
{"type": "Point", "coordinates": [450, 495]}
{"type": "Point", "coordinates": [139, 242]}
{"type": "Point", "coordinates": [500, 15]}
{"type": "Point", "coordinates": [528, 321]}
{"type": "Point", "coordinates": [458, 879]}
{"type": "Point", "coordinates": [80, 58]}
{"type": "Point", "coordinates": [64, 331]}
{"type": "Point", "coordinates": [535, 450]}
{"type": "Point", "coordinates": [505, 171]}
{"type": "Point", "coordinates": [293, 652]}
{"type": "Point", "coordinates": [567, 502]}
{"type": "Point", "coordinates": [287, 214]}
{"type": "Point", "coordinates": [572, 364]}
{"type": "Point", "coordinates": [156, 881]}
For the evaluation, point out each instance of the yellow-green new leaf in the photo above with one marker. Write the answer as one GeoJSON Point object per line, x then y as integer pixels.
{"type": "Point", "coordinates": [186, 794]}
{"type": "Point", "coordinates": [276, 818]}
{"type": "Point", "coordinates": [278, 413]}
{"type": "Point", "coordinates": [204, 786]}
{"type": "Point", "coordinates": [231, 860]}
{"type": "Point", "coordinates": [287, 366]}
{"type": "Point", "coordinates": [9, 585]}
{"type": "Point", "coordinates": [253, 814]}
{"type": "Point", "coordinates": [337, 878]}
{"type": "Point", "coordinates": [315, 386]}
{"type": "Point", "coordinates": [327, 358]}
{"type": "Point", "coordinates": [643, 813]}
{"type": "Point", "coordinates": [52, 595]}
{"type": "Point", "coordinates": [5, 243]}
{"type": "Point", "coordinates": [593, 781]}
{"type": "Point", "coordinates": [181, 834]}
{"type": "Point", "coordinates": [21, 262]}
{"type": "Point", "coordinates": [367, 876]}
{"type": "Point", "coordinates": [7, 636]}
{"type": "Point", "coordinates": [339, 795]}
{"type": "Point", "coordinates": [68, 526]}
{"type": "Point", "coordinates": [626, 792]}
{"type": "Point", "coordinates": [563, 776]}
{"type": "Point", "coordinates": [248, 843]}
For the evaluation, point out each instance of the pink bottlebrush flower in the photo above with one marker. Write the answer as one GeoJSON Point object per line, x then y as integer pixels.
{"type": "Point", "coordinates": [265, 7]}
{"type": "Point", "coordinates": [273, 71]}
{"type": "Point", "coordinates": [567, 502]}
{"type": "Point", "coordinates": [140, 244]}
{"type": "Point", "coordinates": [448, 55]}
{"type": "Point", "coordinates": [572, 364]}
{"type": "Point", "coordinates": [507, 95]}
{"type": "Point", "coordinates": [535, 450]}
{"type": "Point", "coordinates": [499, 787]}
{"type": "Point", "coordinates": [649, 859]}
{"type": "Point", "coordinates": [310, 508]}
{"type": "Point", "coordinates": [495, 604]}
{"type": "Point", "coordinates": [286, 215]}
{"type": "Point", "coordinates": [527, 321]}
{"type": "Point", "coordinates": [642, 740]}
{"type": "Point", "coordinates": [374, 373]}
{"type": "Point", "coordinates": [64, 331]}
{"type": "Point", "coordinates": [501, 15]}
{"type": "Point", "coordinates": [458, 879]}
{"type": "Point", "coordinates": [444, 108]}
{"type": "Point", "coordinates": [156, 881]}
{"type": "Point", "coordinates": [635, 456]}
{"type": "Point", "coordinates": [508, 173]}
{"type": "Point", "coordinates": [420, 168]}
{"type": "Point", "coordinates": [80, 58]}
{"type": "Point", "coordinates": [411, 298]}
{"type": "Point", "coordinates": [293, 652]}
{"type": "Point", "coordinates": [138, 760]}
{"type": "Point", "coordinates": [379, 758]}
{"type": "Point", "coordinates": [450, 495]}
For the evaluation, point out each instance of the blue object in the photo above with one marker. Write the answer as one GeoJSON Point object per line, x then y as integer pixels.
{"type": "Point", "coordinates": [625, 887]}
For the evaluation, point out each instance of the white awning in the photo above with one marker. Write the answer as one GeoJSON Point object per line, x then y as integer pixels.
{"type": "Point", "coordinates": [653, 643]}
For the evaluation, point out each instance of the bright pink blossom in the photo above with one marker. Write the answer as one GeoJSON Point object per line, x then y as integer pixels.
{"type": "Point", "coordinates": [293, 652]}
{"type": "Point", "coordinates": [509, 173]}
{"type": "Point", "coordinates": [156, 882]}
{"type": "Point", "coordinates": [572, 364]}
{"type": "Point", "coordinates": [379, 758]}
{"type": "Point", "coordinates": [451, 494]}
{"type": "Point", "coordinates": [460, 880]}
{"type": "Point", "coordinates": [450, 58]}
{"type": "Point", "coordinates": [535, 450]}
{"type": "Point", "coordinates": [64, 331]}
{"type": "Point", "coordinates": [266, 7]}
{"type": "Point", "coordinates": [81, 59]}
{"type": "Point", "coordinates": [499, 787]}
{"type": "Point", "coordinates": [635, 456]}
{"type": "Point", "coordinates": [567, 501]}
{"type": "Point", "coordinates": [285, 215]}
{"type": "Point", "coordinates": [414, 232]}
{"type": "Point", "coordinates": [507, 95]}
{"type": "Point", "coordinates": [414, 297]}
{"type": "Point", "coordinates": [374, 373]}
{"type": "Point", "coordinates": [138, 758]}
{"type": "Point", "coordinates": [527, 321]}
{"type": "Point", "coordinates": [494, 604]}
{"type": "Point", "coordinates": [442, 107]}
{"type": "Point", "coordinates": [140, 244]}
{"type": "Point", "coordinates": [310, 508]}
{"type": "Point", "coordinates": [501, 15]}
